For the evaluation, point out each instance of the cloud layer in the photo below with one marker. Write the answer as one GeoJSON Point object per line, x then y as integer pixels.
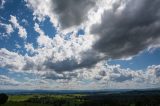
{"type": "Point", "coordinates": [124, 31]}
{"type": "Point", "coordinates": [116, 29]}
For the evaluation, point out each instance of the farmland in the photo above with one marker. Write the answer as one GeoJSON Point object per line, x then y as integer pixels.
{"type": "Point", "coordinates": [129, 98]}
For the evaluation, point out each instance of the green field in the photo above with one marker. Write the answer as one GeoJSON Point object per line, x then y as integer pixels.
{"type": "Point", "coordinates": [44, 100]}
{"type": "Point", "coordinates": [149, 98]}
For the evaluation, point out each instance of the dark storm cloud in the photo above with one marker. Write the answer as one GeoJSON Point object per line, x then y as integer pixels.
{"type": "Point", "coordinates": [88, 60]}
{"type": "Point", "coordinates": [130, 31]}
{"type": "Point", "coordinates": [72, 12]}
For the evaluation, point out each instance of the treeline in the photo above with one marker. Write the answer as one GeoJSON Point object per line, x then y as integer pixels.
{"type": "Point", "coordinates": [100, 100]}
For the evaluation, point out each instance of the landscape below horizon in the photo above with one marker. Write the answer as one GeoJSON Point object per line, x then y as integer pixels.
{"type": "Point", "coordinates": [147, 97]}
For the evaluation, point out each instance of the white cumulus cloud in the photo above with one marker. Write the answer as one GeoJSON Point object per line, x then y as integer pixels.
{"type": "Point", "coordinates": [21, 30]}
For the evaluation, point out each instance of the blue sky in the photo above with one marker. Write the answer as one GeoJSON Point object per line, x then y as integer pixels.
{"type": "Point", "coordinates": [141, 61]}
{"type": "Point", "coordinates": [43, 45]}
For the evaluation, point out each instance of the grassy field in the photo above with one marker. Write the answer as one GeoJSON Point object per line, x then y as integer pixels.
{"type": "Point", "coordinates": [118, 99]}
{"type": "Point", "coordinates": [44, 100]}
{"type": "Point", "coordinates": [19, 98]}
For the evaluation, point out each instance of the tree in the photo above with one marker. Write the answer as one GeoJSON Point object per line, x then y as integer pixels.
{"type": "Point", "coordinates": [3, 98]}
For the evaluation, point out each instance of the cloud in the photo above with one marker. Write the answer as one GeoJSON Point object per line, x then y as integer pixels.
{"type": "Point", "coordinates": [68, 76]}
{"type": "Point", "coordinates": [116, 74]}
{"type": "Point", "coordinates": [61, 70]}
{"type": "Point", "coordinates": [118, 39]}
{"type": "Point", "coordinates": [128, 28]}
{"type": "Point", "coordinates": [43, 40]}
{"type": "Point", "coordinates": [41, 10]}
{"type": "Point", "coordinates": [21, 30]}
{"type": "Point", "coordinates": [120, 78]}
{"type": "Point", "coordinates": [29, 48]}
{"type": "Point", "coordinates": [120, 33]}
{"type": "Point", "coordinates": [157, 73]}
{"type": "Point", "coordinates": [154, 70]}
{"type": "Point", "coordinates": [66, 15]}
{"type": "Point", "coordinates": [52, 54]}
{"type": "Point", "coordinates": [11, 60]}
{"type": "Point", "coordinates": [108, 76]}
{"type": "Point", "coordinates": [8, 28]}
{"type": "Point", "coordinates": [2, 3]}
{"type": "Point", "coordinates": [72, 12]}
{"type": "Point", "coordinates": [70, 64]}
{"type": "Point", "coordinates": [62, 55]}
{"type": "Point", "coordinates": [101, 75]}
{"type": "Point", "coordinates": [5, 81]}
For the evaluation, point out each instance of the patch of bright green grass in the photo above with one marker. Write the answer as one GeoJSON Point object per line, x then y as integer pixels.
{"type": "Point", "coordinates": [19, 98]}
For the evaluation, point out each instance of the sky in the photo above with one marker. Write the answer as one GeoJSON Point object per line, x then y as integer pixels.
{"type": "Point", "coordinates": [79, 44]}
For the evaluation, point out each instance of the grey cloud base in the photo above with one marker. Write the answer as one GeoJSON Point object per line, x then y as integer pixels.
{"type": "Point", "coordinates": [130, 31]}
{"type": "Point", "coordinates": [72, 12]}
{"type": "Point", "coordinates": [89, 59]}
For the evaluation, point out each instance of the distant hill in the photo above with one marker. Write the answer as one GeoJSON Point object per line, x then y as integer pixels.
{"type": "Point", "coordinates": [109, 91]}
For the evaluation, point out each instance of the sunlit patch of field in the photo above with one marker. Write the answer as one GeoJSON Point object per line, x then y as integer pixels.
{"type": "Point", "coordinates": [19, 98]}
{"type": "Point", "coordinates": [32, 100]}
